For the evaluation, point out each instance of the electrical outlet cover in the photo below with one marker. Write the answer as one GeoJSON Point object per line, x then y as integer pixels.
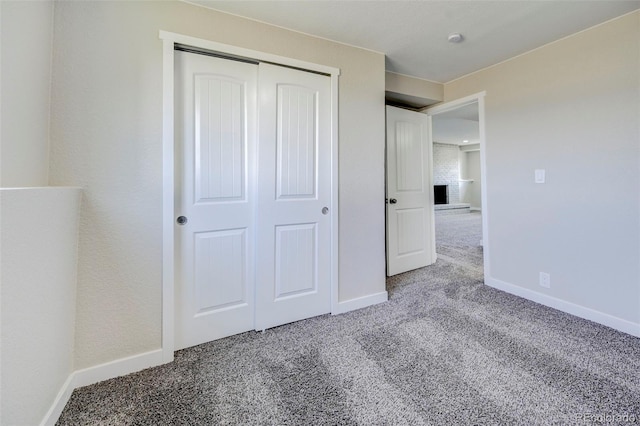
{"type": "Point", "coordinates": [545, 280]}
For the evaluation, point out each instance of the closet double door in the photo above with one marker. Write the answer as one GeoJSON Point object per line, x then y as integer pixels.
{"type": "Point", "coordinates": [253, 196]}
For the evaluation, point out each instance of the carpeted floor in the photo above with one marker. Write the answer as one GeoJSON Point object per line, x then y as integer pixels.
{"type": "Point", "coordinates": [458, 238]}
{"type": "Point", "coordinates": [444, 350]}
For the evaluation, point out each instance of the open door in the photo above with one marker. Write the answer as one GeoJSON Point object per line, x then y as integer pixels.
{"type": "Point", "coordinates": [410, 226]}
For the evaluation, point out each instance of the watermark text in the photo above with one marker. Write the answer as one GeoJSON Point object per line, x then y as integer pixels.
{"type": "Point", "coordinates": [607, 418]}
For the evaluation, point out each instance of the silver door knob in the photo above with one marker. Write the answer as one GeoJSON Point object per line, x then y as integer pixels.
{"type": "Point", "coordinates": [325, 210]}
{"type": "Point", "coordinates": [181, 220]}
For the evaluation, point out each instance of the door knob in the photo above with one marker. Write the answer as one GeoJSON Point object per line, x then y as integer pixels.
{"type": "Point", "coordinates": [325, 210]}
{"type": "Point", "coordinates": [181, 220]}
{"type": "Point", "coordinates": [393, 201]}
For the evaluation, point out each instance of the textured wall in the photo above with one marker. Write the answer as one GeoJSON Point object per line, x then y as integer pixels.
{"type": "Point", "coordinates": [106, 137]}
{"type": "Point", "coordinates": [572, 108]}
{"type": "Point", "coordinates": [25, 80]}
{"type": "Point", "coordinates": [38, 276]}
{"type": "Point", "coordinates": [446, 169]}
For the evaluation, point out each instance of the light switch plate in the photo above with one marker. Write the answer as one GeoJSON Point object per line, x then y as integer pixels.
{"type": "Point", "coordinates": [540, 175]}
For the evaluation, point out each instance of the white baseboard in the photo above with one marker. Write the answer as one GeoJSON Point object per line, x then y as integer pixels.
{"type": "Point", "coordinates": [568, 307]}
{"type": "Point", "coordinates": [98, 373]}
{"type": "Point", "coordinates": [360, 302]}
{"type": "Point", "coordinates": [121, 367]}
{"type": "Point", "coordinates": [60, 402]}
{"type": "Point", "coordinates": [117, 368]}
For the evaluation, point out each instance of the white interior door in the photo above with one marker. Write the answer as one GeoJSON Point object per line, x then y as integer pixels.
{"type": "Point", "coordinates": [253, 223]}
{"type": "Point", "coordinates": [410, 226]}
{"type": "Point", "coordinates": [294, 224]}
{"type": "Point", "coordinates": [215, 152]}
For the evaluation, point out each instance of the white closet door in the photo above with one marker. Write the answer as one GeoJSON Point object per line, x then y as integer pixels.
{"type": "Point", "coordinates": [294, 187]}
{"type": "Point", "coordinates": [410, 228]}
{"type": "Point", "coordinates": [215, 152]}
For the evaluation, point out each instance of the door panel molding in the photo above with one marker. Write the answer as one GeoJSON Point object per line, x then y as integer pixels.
{"type": "Point", "coordinates": [217, 177]}
{"type": "Point", "coordinates": [296, 179]}
{"type": "Point", "coordinates": [291, 241]}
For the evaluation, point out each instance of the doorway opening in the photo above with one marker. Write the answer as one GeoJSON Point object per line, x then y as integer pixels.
{"type": "Point", "coordinates": [457, 131]}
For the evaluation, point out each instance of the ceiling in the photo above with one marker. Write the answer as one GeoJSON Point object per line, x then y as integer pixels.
{"type": "Point", "coordinates": [457, 125]}
{"type": "Point", "coordinates": [413, 34]}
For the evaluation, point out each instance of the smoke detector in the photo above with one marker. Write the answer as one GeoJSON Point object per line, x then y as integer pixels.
{"type": "Point", "coordinates": [455, 38]}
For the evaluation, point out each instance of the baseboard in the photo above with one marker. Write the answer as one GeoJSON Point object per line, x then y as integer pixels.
{"type": "Point", "coordinates": [117, 368]}
{"type": "Point", "coordinates": [98, 373]}
{"type": "Point", "coordinates": [60, 402]}
{"type": "Point", "coordinates": [568, 307]}
{"type": "Point", "coordinates": [360, 302]}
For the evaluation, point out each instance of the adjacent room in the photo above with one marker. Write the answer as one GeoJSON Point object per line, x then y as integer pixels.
{"type": "Point", "coordinates": [333, 212]}
{"type": "Point", "coordinates": [457, 179]}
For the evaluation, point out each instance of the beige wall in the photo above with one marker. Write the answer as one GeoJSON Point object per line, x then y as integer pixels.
{"type": "Point", "coordinates": [24, 105]}
{"type": "Point", "coordinates": [38, 257]}
{"type": "Point", "coordinates": [412, 90]}
{"type": "Point", "coordinates": [572, 108]}
{"type": "Point", "coordinates": [106, 137]}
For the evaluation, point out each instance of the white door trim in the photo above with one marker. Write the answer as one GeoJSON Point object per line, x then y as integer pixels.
{"type": "Point", "coordinates": [455, 104]}
{"type": "Point", "coordinates": [448, 106]}
{"type": "Point", "coordinates": [169, 40]}
{"type": "Point", "coordinates": [168, 202]}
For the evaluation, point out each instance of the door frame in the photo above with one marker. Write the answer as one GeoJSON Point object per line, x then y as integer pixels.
{"type": "Point", "coordinates": [169, 40]}
{"type": "Point", "coordinates": [455, 104]}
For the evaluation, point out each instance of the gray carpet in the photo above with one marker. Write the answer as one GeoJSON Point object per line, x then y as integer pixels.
{"type": "Point", "coordinates": [444, 350]}
{"type": "Point", "coordinates": [458, 238]}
